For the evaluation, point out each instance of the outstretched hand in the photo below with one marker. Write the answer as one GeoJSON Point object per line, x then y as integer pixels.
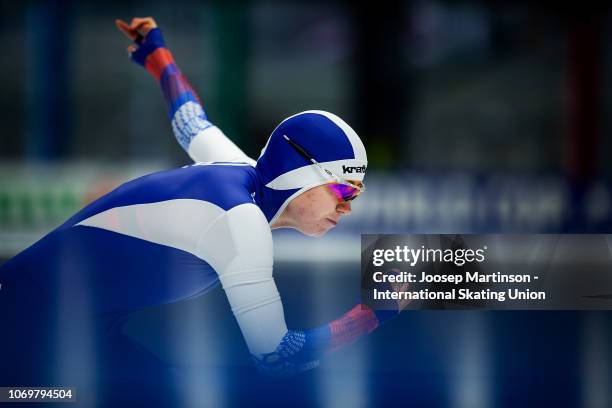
{"type": "Point", "coordinates": [400, 287]}
{"type": "Point", "coordinates": [138, 28]}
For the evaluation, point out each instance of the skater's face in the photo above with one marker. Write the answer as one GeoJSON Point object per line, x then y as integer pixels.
{"type": "Point", "coordinates": [314, 212]}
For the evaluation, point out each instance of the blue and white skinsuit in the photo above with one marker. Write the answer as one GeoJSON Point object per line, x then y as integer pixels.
{"type": "Point", "coordinates": [176, 234]}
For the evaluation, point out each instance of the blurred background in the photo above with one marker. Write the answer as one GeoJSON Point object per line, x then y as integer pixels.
{"type": "Point", "coordinates": [478, 116]}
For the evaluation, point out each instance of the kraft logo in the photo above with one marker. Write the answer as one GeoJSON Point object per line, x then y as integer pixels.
{"type": "Point", "coordinates": [351, 169]}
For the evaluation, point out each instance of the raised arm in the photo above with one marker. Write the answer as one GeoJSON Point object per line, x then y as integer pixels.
{"type": "Point", "coordinates": [245, 272]}
{"type": "Point", "coordinates": [202, 140]}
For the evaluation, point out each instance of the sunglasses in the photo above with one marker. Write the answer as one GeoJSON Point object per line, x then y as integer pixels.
{"type": "Point", "coordinates": [342, 188]}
